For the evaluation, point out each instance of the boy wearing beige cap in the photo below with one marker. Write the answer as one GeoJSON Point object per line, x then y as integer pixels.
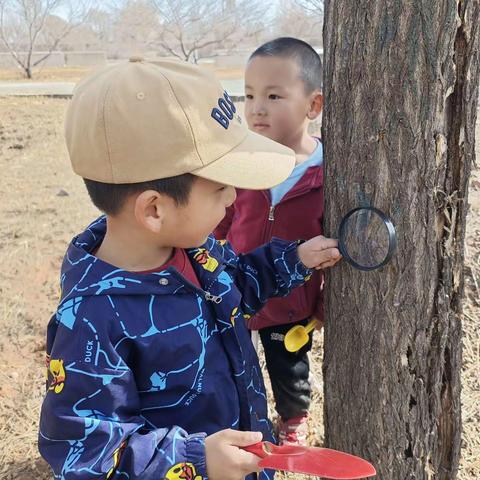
{"type": "Point", "coordinates": [151, 373]}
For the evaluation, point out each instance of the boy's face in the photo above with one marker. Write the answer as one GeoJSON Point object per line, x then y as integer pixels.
{"type": "Point", "coordinates": [276, 103]}
{"type": "Point", "coordinates": [188, 226]}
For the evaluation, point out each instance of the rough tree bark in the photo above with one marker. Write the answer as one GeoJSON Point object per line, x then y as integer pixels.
{"type": "Point", "coordinates": [401, 90]}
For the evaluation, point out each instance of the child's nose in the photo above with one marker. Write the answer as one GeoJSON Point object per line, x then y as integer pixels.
{"type": "Point", "coordinates": [259, 108]}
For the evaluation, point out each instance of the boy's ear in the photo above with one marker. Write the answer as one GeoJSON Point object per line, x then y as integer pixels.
{"type": "Point", "coordinates": [150, 209]}
{"type": "Point", "coordinates": [316, 105]}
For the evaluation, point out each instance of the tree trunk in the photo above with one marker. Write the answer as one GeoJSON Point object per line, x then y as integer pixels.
{"type": "Point", "coordinates": [401, 90]}
{"type": "Point", "coordinates": [28, 63]}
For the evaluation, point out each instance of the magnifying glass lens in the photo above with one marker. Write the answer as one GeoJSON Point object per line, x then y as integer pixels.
{"type": "Point", "coordinates": [367, 238]}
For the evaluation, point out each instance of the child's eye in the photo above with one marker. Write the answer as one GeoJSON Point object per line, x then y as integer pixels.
{"type": "Point", "coordinates": [272, 96]}
{"type": "Point", "coordinates": [249, 96]}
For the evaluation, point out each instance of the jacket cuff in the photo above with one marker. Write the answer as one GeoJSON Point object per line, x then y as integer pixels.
{"type": "Point", "coordinates": [195, 453]}
{"type": "Point", "coordinates": [288, 264]}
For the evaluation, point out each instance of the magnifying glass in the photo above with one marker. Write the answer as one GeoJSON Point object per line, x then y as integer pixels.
{"type": "Point", "coordinates": [367, 238]}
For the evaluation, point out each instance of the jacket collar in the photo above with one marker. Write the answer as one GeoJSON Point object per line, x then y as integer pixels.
{"type": "Point", "coordinates": [311, 179]}
{"type": "Point", "coordinates": [85, 275]}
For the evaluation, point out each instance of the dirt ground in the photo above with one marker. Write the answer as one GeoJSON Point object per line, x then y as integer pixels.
{"type": "Point", "coordinates": [43, 205]}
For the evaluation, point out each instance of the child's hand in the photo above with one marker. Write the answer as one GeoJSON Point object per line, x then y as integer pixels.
{"type": "Point", "coordinates": [319, 252]}
{"type": "Point", "coordinates": [225, 460]}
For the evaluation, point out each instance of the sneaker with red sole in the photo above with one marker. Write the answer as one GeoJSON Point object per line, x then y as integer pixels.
{"type": "Point", "coordinates": [293, 431]}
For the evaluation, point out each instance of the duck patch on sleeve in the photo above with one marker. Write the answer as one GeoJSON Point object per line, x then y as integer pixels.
{"type": "Point", "coordinates": [55, 375]}
{"type": "Point", "coordinates": [183, 471]}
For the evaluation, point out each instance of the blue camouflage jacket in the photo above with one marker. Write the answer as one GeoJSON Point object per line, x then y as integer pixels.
{"type": "Point", "coordinates": [141, 367]}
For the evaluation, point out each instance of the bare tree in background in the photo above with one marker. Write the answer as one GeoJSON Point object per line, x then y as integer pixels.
{"type": "Point", "coordinates": [190, 26]}
{"type": "Point", "coordinates": [100, 21]}
{"type": "Point", "coordinates": [136, 26]}
{"type": "Point", "coordinates": [24, 25]}
{"type": "Point", "coordinates": [314, 7]}
{"type": "Point", "coordinates": [297, 19]}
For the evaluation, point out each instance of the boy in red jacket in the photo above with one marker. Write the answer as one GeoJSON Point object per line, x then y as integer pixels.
{"type": "Point", "coordinates": [282, 94]}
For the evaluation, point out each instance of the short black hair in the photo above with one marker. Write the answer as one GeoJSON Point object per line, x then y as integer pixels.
{"type": "Point", "coordinates": [308, 60]}
{"type": "Point", "coordinates": [110, 198]}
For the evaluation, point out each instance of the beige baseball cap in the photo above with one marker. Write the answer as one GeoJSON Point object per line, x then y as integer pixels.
{"type": "Point", "coordinates": [139, 121]}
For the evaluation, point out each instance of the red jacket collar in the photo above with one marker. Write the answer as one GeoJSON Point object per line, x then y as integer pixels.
{"type": "Point", "coordinates": [312, 178]}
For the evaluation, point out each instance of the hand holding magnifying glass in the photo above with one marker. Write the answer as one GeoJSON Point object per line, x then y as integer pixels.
{"type": "Point", "coordinates": [319, 252]}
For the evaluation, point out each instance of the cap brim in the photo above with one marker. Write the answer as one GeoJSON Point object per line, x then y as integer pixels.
{"type": "Point", "coordinates": [257, 163]}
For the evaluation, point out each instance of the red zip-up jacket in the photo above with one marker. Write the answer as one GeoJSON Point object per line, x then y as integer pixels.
{"type": "Point", "coordinates": [252, 221]}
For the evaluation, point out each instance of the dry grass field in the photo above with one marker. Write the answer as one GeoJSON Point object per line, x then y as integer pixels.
{"type": "Point", "coordinates": [73, 74]}
{"type": "Point", "coordinates": [43, 205]}
{"type": "Point", "coordinates": [46, 74]}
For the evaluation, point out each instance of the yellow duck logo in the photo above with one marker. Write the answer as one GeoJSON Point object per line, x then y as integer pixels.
{"type": "Point", "coordinates": [233, 315]}
{"type": "Point", "coordinates": [205, 260]}
{"type": "Point", "coordinates": [55, 375]}
{"type": "Point", "coordinates": [183, 471]}
{"type": "Point", "coordinates": [116, 458]}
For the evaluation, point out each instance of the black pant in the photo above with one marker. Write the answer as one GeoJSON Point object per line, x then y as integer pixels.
{"type": "Point", "coordinates": [288, 371]}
